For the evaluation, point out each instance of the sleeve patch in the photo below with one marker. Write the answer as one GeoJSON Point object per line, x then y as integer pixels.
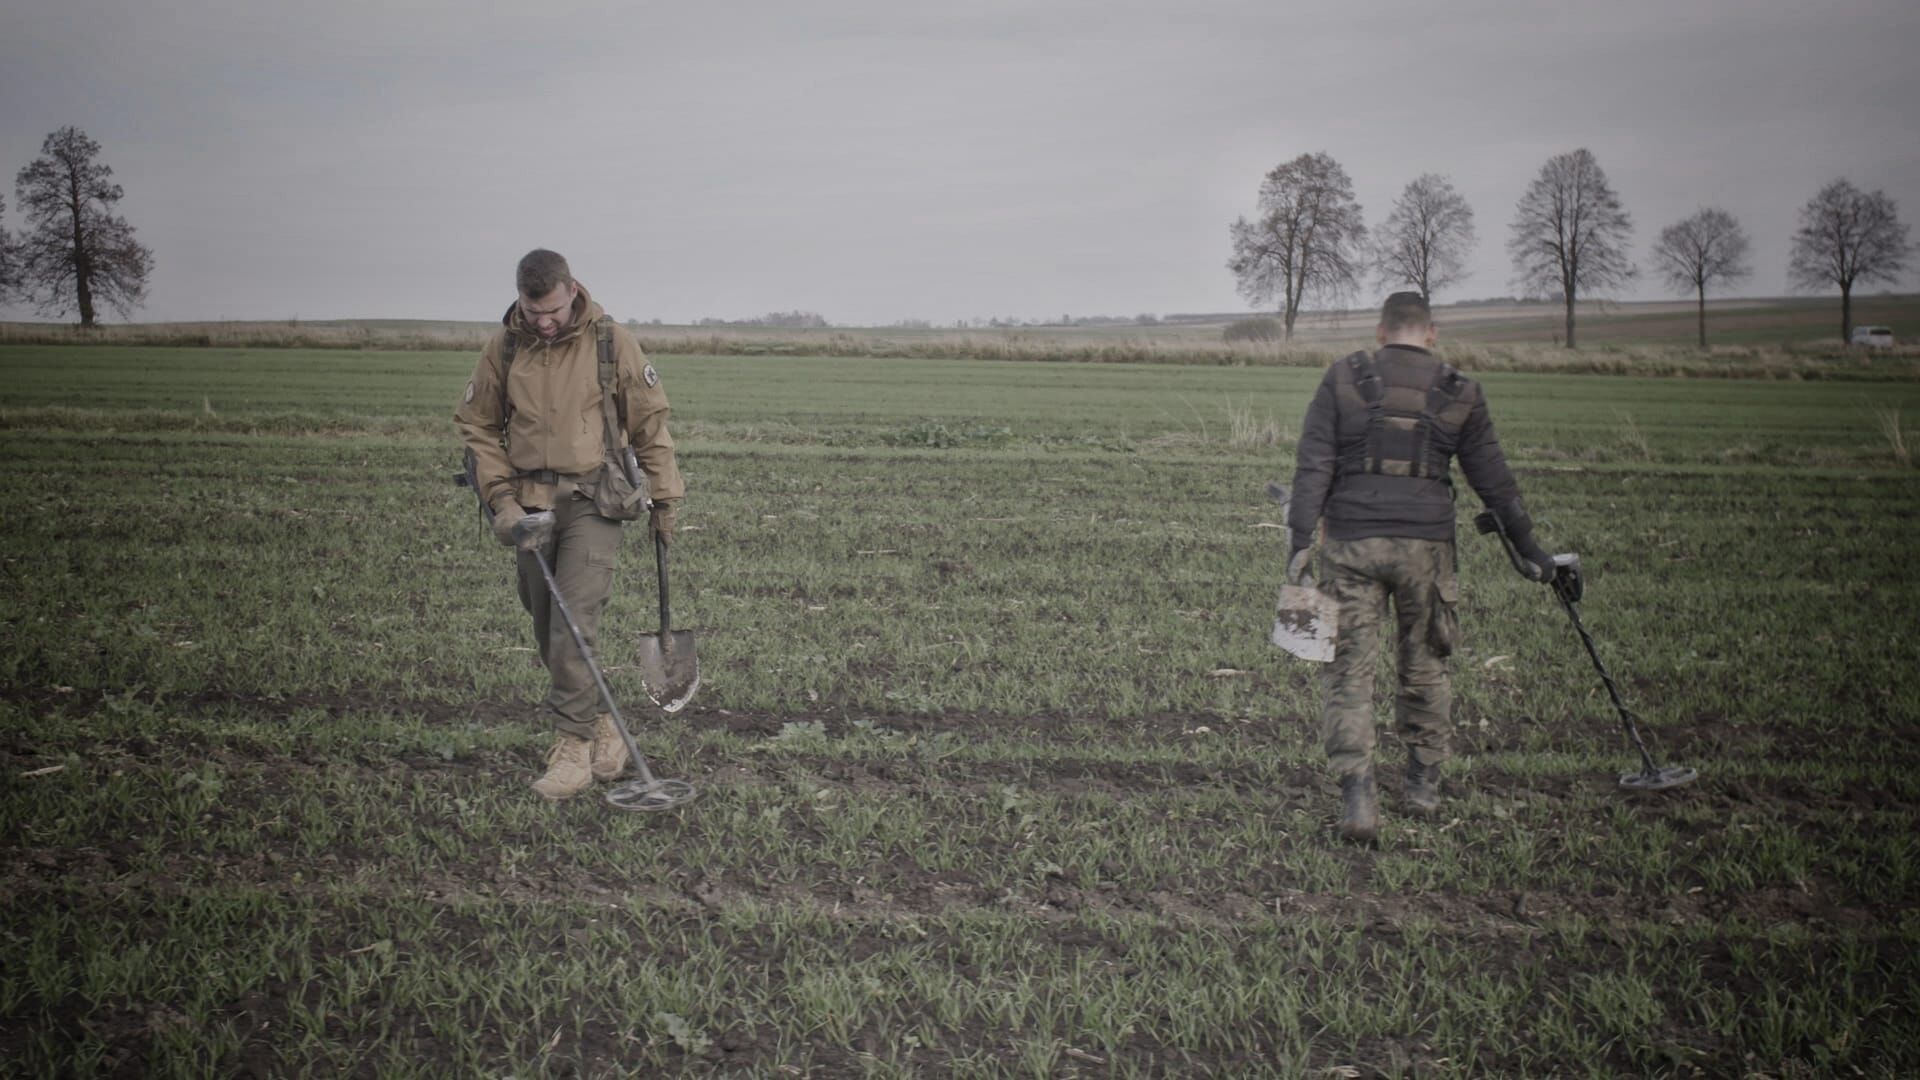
{"type": "Point", "coordinates": [647, 373]}
{"type": "Point", "coordinates": [469, 391]}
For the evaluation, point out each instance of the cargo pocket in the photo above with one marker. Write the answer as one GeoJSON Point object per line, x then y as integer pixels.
{"type": "Point", "coordinates": [1443, 631]}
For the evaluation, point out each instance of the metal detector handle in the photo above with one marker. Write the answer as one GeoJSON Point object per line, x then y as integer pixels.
{"type": "Point", "coordinates": [660, 564]}
{"type": "Point", "coordinates": [469, 478]}
{"type": "Point", "coordinates": [1489, 522]}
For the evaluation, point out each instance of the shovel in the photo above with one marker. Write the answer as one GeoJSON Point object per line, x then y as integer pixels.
{"type": "Point", "coordinates": [669, 668]}
{"type": "Point", "coordinates": [1307, 620]}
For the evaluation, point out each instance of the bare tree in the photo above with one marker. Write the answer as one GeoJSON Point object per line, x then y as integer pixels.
{"type": "Point", "coordinates": [1570, 232]}
{"type": "Point", "coordinates": [75, 251]}
{"type": "Point", "coordinates": [8, 280]}
{"type": "Point", "coordinates": [1708, 247]}
{"type": "Point", "coordinates": [1847, 236]}
{"type": "Point", "coordinates": [1426, 239]}
{"type": "Point", "coordinates": [1307, 241]}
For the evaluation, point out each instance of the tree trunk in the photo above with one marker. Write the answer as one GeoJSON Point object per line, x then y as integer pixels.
{"type": "Point", "coordinates": [1569, 318]}
{"type": "Point", "coordinates": [82, 266]}
{"type": "Point", "coordinates": [1703, 313]}
{"type": "Point", "coordinates": [1846, 313]}
{"type": "Point", "coordinates": [83, 282]}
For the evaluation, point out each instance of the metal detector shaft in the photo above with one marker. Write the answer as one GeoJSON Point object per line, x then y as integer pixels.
{"type": "Point", "coordinates": [1606, 679]}
{"type": "Point", "coordinates": [1567, 591]}
{"type": "Point", "coordinates": [606, 694]}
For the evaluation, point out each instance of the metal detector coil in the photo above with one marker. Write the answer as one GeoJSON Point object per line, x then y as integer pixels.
{"type": "Point", "coordinates": [646, 793]}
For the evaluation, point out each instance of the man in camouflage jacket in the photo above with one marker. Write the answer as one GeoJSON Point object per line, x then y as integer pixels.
{"type": "Point", "coordinates": [1374, 468]}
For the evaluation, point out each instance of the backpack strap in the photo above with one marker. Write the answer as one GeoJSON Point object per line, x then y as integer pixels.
{"type": "Point", "coordinates": [612, 410]}
{"type": "Point", "coordinates": [508, 345]}
{"type": "Point", "coordinates": [1446, 388]}
{"type": "Point", "coordinates": [1367, 382]}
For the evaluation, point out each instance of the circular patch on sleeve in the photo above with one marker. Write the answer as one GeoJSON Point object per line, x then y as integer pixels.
{"type": "Point", "coordinates": [469, 391]}
{"type": "Point", "coordinates": [651, 376]}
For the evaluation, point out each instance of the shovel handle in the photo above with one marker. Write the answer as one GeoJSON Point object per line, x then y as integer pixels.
{"type": "Point", "coordinates": [660, 564]}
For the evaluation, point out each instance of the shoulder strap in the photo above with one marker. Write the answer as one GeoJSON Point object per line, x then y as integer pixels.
{"type": "Point", "coordinates": [612, 410]}
{"type": "Point", "coordinates": [1367, 382]}
{"type": "Point", "coordinates": [1444, 390]}
{"type": "Point", "coordinates": [508, 344]}
{"type": "Point", "coordinates": [1365, 379]}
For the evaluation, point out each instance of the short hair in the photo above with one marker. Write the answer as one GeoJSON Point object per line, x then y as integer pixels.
{"type": "Point", "coordinates": [1405, 311]}
{"type": "Point", "coordinates": [541, 271]}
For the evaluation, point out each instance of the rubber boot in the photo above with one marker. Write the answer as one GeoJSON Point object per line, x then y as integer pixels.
{"type": "Point", "coordinates": [569, 768]}
{"type": "Point", "coordinates": [609, 749]}
{"type": "Point", "coordinates": [1423, 787]}
{"type": "Point", "coordinates": [1360, 818]}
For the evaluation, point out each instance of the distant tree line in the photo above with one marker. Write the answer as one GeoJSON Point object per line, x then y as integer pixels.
{"type": "Point", "coordinates": [1570, 235]}
{"type": "Point", "coordinates": [75, 254]}
{"type": "Point", "coordinates": [786, 320]}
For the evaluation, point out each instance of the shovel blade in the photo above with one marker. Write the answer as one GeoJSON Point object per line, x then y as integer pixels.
{"type": "Point", "coordinates": [1305, 622]}
{"type": "Point", "coordinates": [669, 668]}
{"type": "Point", "coordinates": [1659, 779]}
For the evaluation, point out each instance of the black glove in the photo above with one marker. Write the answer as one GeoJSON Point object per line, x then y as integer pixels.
{"type": "Point", "coordinates": [1298, 560]}
{"type": "Point", "coordinates": [1541, 562]}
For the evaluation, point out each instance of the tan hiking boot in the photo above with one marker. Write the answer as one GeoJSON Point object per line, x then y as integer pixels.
{"type": "Point", "coordinates": [569, 769]}
{"type": "Point", "coordinates": [609, 749]}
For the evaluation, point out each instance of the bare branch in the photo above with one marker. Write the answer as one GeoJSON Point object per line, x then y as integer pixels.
{"type": "Point", "coordinates": [1847, 237]}
{"type": "Point", "coordinates": [75, 251]}
{"type": "Point", "coordinates": [1709, 247]}
{"type": "Point", "coordinates": [1426, 239]}
{"type": "Point", "coordinates": [9, 258]}
{"type": "Point", "coordinates": [1306, 244]}
{"type": "Point", "coordinates": [1570, 232]}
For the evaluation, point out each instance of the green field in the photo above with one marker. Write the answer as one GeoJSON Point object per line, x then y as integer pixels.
{"type": "Point", "coordinates": [1765, 337]}
{"type": "Point", "coordinates": [999, 776]}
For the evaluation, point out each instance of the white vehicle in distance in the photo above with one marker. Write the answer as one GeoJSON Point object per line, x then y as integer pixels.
{"type": "Point", "coordinates": [1873, 337]}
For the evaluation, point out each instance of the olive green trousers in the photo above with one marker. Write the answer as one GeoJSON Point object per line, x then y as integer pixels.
{"type": "Point", "coordinates": [1417, 579]}
{"type": "Point", "coordinates": [582, 553]}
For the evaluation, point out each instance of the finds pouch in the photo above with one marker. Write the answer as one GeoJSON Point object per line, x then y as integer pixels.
{"type": "Point", "coordinates": [621, 494]}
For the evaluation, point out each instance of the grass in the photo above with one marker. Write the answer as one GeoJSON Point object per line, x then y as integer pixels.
{"type": "Point", "coordinates": [999, 776]}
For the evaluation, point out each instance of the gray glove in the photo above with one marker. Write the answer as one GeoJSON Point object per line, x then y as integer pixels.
{"type": "Point", "coordinates": [505, 518]}
{"type": "Point", "coordinates": [532, 531]}
{"type": "Point", "coordinates": [663, 519]}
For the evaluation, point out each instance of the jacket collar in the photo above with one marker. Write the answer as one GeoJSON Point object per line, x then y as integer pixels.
{"type": "Point", "coordinates": [585, 313]}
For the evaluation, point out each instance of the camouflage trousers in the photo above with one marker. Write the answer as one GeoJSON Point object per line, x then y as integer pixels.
{"type": "Point", "coordinates": [1417, 577]}
{"type": "Point", "coordinates": [582, 553]}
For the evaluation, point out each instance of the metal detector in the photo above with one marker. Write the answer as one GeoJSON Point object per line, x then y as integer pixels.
{"type": "Point", "coordinates": [647, 793]}
{"type": "Point", "coordinates": [1568, 589]}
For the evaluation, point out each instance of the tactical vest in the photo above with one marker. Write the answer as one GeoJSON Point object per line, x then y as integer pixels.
{"type": "Point", "coordinates": [1400, 421]}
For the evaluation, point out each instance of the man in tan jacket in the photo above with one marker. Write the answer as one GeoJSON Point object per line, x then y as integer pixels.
{"type": "Point", "coordinates": [532, 417]}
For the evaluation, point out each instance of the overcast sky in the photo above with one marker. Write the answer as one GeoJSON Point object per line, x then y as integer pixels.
{"type": "Point", "coordinates": [878, 160]}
